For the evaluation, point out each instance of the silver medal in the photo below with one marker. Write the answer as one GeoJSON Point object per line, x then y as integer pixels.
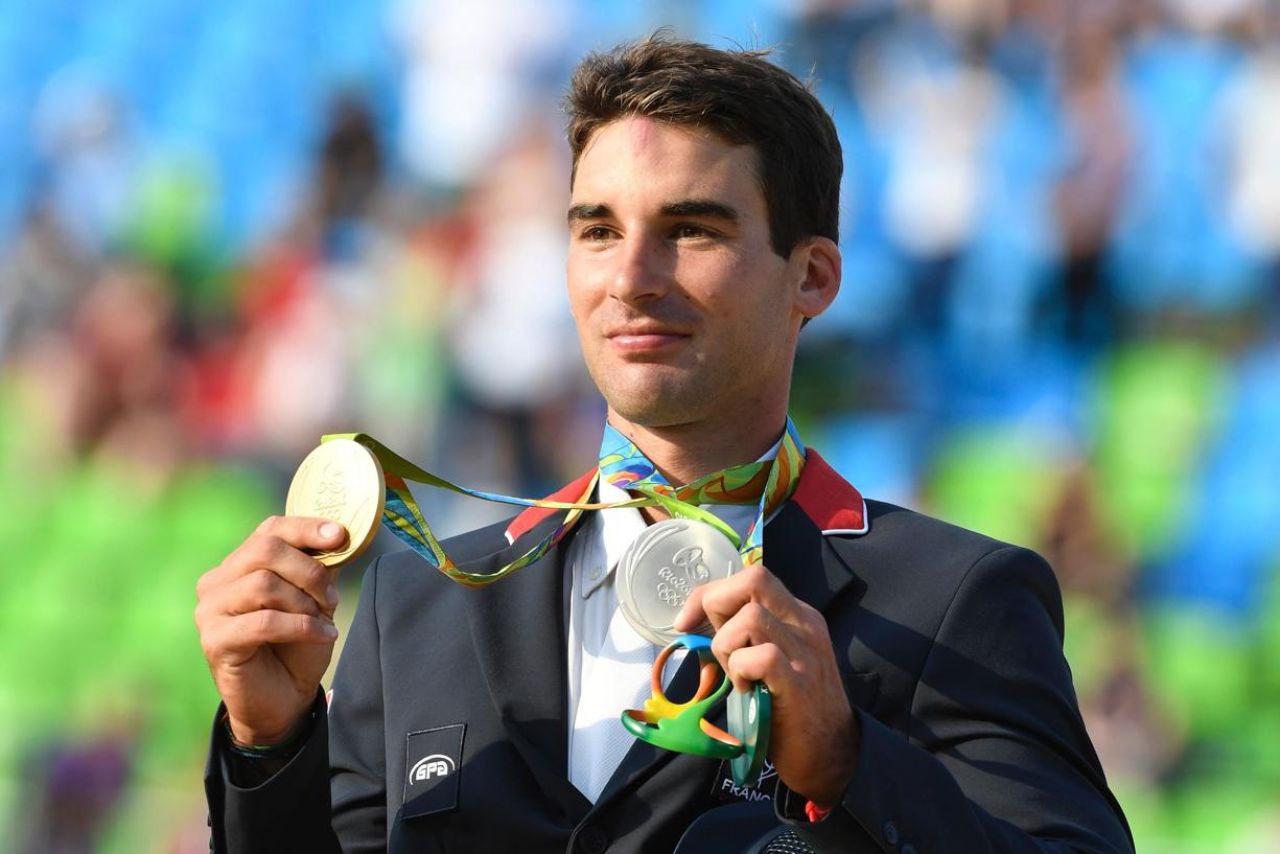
{"type": "Point", "coordinates": [663, 565]}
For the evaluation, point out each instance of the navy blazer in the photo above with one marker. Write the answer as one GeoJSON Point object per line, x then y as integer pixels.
{"type": "Point", "coordinates": [447, 729]}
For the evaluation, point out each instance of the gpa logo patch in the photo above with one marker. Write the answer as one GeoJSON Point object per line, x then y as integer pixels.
{"type": "Point", "coordinates": [435, 765]}
{"type": "Point", "coordinates": [432, 759]}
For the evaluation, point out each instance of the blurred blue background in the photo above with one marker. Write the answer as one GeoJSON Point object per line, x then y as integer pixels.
{"type": "Point", "coordinates": [229, 228]}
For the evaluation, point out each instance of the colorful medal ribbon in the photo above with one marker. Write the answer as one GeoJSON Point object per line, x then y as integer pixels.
{"type": "Point", "coordinates": [769, 483]}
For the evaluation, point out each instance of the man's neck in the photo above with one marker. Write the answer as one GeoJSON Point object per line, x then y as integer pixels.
{"type": "Point", "coordinates": [683, 453]}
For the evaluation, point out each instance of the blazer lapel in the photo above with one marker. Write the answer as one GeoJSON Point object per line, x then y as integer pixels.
{"type": "Point", "coordinates": [795, 543]}
{"type": "Point", "coordinates": [796, 551]}
{"type": "Point", "coordinates": [523, 659]}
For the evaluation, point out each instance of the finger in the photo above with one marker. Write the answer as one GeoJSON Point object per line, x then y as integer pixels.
{"type": "Point", "coordinates": [305, 532]}
{"type": "Point", "coordinates": [765, 663]}
{"type": "Point", "coordinates": [753, 625]}
{"type": "Point", "coordinates": [297, 532]}
{"type": "Point", "coordinates": [691, 616]}
{"type": "Point", "coordinates": [245, 633]}
{"type": "Point", "coordinates": [267, 551]}
{"type": "Point", "coordinates": [262, 590]}
{"type": "Point", "coordinates": [737, 588]}
{"type": "Point", "coordinates": [718, 601]}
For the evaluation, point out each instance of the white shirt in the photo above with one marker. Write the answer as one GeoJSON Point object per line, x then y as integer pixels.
{"type": "Point", "coordinates": [609, 663]}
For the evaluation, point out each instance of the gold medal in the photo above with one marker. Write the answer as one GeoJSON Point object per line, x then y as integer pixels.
{"type": "Point", "coordinates": [341, 480]}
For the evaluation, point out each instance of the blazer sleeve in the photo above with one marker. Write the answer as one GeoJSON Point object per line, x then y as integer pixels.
{"type": "Point", "coordinates": [996, 758]}
{"type": "Point", "coordinates": [331, 795]}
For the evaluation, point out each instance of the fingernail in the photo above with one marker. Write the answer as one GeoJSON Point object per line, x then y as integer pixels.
{"type": "Point", "coordinates": [330, 530]}
{"type": "Point", "coordinates": [331, 595]}
{"type": "Point", "coordinates": [329, 630]}
{"type": "Point", "coordinates": [679, 624]}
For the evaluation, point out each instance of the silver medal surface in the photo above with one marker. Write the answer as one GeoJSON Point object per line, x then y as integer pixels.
{"type": "Point", "coordinates": [660, 569]}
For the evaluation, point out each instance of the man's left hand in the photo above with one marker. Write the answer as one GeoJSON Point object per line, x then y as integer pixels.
{"type": "Point", "coordinates": [764, 634]}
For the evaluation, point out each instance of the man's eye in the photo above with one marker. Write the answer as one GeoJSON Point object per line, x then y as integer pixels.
{"type": "Point", "coordinates": [691, 232]}
{"type": "Point", "coordinates": [596, 233]}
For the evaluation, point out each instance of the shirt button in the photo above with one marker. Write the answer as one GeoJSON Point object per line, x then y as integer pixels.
{"type": "Point", "coordinates": [891, 833]}
{"type": "Point", "coordinates": [593, 840]}
{"type": "Point", "coordinates": [595, 574]}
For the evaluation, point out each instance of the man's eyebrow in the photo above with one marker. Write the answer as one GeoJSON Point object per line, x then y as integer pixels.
{"type": "Point", "coordinates": [579, 212]}
{"type": "Point", "coordinates": [701, 208]}
{"type": "Point", "coordinates": [684, 207]}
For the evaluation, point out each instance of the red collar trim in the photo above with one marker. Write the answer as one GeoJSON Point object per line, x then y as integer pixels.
{"type": "Point", "coordinates": [534, 516]}
{"type": "Point", "coordinates": [830, 501]}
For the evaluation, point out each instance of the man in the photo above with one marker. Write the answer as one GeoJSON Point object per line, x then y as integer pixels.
{"type": "Point", "coordinates": [920, 697]}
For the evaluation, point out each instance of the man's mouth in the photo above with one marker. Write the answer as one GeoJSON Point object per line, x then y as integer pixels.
{"type": "Point", "coordinates": [640, 339]}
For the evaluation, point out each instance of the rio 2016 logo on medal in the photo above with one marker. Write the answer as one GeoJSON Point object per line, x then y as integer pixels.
{"type": "Point", "coordinates": [687, 571]}
{"type": "Point", "coordinates": [663, 566]}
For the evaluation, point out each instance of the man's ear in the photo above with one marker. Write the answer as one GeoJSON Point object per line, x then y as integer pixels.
{"type": "Point", "coordinates": [818, 264]}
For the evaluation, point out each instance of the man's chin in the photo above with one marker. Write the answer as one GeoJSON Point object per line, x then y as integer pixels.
{"type": "Point", "coordinates": [654, 411]}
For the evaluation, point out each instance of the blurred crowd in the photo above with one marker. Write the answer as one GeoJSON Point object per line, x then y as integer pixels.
{"type": "Point", "coordinates": [228, 229]}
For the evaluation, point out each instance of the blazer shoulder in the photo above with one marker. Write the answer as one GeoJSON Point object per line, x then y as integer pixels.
{"type": "Point", "coordinates": [910, 531]}
{"type": "Point", "coordinates": [921, 562]}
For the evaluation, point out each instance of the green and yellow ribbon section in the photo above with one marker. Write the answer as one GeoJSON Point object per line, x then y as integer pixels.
{"type": "Point", "coordinates": [683, 727]}
{"type": "Point", "coordinates": [767, 483]}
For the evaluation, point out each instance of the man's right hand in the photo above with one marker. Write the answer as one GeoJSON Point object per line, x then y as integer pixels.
{"type": "Point", "coordinates": [265, 616]}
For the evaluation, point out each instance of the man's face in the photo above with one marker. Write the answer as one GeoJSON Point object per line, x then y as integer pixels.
{"type": "Point", "coordinates": [684, 311]}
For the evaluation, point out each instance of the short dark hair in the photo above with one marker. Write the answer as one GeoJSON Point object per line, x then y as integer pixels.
{"type": "Point", "coordinates": [740, 96]}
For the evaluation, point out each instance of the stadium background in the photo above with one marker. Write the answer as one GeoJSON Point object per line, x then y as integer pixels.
{"type": "Point", "coordinates": [228, 228]}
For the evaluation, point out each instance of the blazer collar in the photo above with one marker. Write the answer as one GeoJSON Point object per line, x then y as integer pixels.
{"type": "Point", "coordinates": [535, 517]}
{"type": "Point", "coordinates": [830, 501]}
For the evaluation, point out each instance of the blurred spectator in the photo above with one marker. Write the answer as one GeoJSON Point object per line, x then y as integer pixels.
{"type": "Point", "coordinates": [474, 73]}
{"type": "Point", "coordinates": [40, 281]}
{"type": "Point", "coordinates": [510, 312]}
{"type": "Point", "coordinates": [349, 176]}
{"type": "Point", "coordinates": [1099, 150]}
{"type": "Point", "coordinates": [80, 786]}
{"type": "Point", "coordinates": [1251, 131]}
{"type": "Point", "coordinates": [88, 158]}
{"type": "Point", "coordinates": [933, 101]}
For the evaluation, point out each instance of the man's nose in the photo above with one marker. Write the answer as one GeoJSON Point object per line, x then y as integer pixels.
{"type": "Point", "coordinates": [643, 269]}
